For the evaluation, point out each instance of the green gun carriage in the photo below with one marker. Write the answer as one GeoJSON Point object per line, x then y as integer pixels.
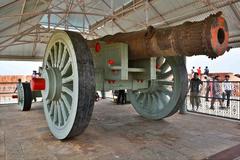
{"type": "Point", "coordinates": [149, 63]}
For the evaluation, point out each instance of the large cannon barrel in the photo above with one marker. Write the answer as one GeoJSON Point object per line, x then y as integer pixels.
{"type": "Point", "coordinates": [207, 37]}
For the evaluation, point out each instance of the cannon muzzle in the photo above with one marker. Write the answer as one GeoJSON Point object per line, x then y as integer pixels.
{"type": "Point", "coordinates": [207, 37]}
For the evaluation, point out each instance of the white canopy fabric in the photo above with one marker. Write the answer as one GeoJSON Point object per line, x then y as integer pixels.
{"type": "Point", "coordinates": [26, 25]}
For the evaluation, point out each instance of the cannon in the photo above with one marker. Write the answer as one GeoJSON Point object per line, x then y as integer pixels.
{"type": "Point", "coordinates": [149, 63]}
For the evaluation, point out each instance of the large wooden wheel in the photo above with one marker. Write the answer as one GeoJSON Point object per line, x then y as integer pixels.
{"type": "Point", "coordinates": [70, 85]}
{"type": "Point", "coordinates": [164, 95]}
{"type": "Point", "coordinates": [24, 96]}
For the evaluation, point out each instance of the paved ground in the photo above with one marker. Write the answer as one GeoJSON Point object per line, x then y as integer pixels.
{"type": "Point", "coordinates": [115, 132]}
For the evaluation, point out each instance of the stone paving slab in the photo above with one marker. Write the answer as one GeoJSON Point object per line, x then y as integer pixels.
{"type": "Point", "coordinates": [115, 132]}
{"type": "Point", "coordinates": [2, 145]}
{"type": "Point", "coordinates": [231, 153]}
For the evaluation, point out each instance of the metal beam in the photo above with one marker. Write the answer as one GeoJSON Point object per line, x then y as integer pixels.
{"type": "Point", "coordinates": [5, 5]}
{"type": "Point", "coordinates": [20, 18]}
{"type": "Point", "coordinates": [118, 13]}
{"type": "Point", "coordinates": [120, 27]}
{"type": "Point", "coordinates": [52, 12]}
{"type": "Point", "coordinates": [20, 58]}
{"type": "Point", "coordinates": [235, 11]}
{"type": "Point", "coordinates": [202, 11]}
{"type": "Point", "coordinates": [158, 13]}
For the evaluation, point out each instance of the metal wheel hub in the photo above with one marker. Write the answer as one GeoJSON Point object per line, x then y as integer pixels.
{"type": "Point", "coordinates": [53, 80]}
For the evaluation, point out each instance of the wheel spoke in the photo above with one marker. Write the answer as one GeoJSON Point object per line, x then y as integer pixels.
{"type": "Point", "coordinates": [66, 67]}
{"type": "Point", "coordinates": [51, 58]}
{"type": "Point", "coordinates": [164, 99]}
{"type": "Point", "coordinates": [163, 82]}
{"type": "Point", "coordinates": [48, 64]}
{"type": "Point", "coordinates": [145, 99]}
{"type": "Point", "coordinates": [63, 58]}
{"type": "Point", "coordinates": [63, 110]}
{"type": "Point", "coordinates": [155, 103]}
{"type": "Point", "coordinates": [55, 54]}
{"type": "Point", "coordinates": [159, 100]}
{"type": "Point", "coordinates": [166, 91]}
{"type": "Point", "coordinates": [67, 104]}
{"type": "Point", "coordinates": [51, 109]}
{"type": "Point", "coordinates": [60, 118]}
{"type": "Point", "coordinates": [139, 96]}
{"type": "Point", "coordinates": [67, 90]}
{"type": "Point", "coordinates": [164, 67]}
{"type": "Point", "coordinates": [165, 75]}
{"type": "Point", "coordinates": [59, 54]}
{"type": "Point", "coordinates": [55, 114]}
{"type": "Point", "coordinates": [149, 102]}
{"type": "Point", "coordinates": [67, 79]}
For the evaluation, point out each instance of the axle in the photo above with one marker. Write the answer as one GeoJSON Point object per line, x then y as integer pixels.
{"type": "Point", "coordinates": [208, 37]}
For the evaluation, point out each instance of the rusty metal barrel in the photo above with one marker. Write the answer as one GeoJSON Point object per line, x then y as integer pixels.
{"type": "Point", "coordinates": [207, 37]}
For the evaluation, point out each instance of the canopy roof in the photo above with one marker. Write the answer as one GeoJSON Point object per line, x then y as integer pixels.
{"type": "Point", "coordinates": [26, 25]}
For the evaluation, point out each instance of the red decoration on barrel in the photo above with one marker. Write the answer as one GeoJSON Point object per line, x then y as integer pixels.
{"type": "Point", "coordinates": [111, 61]}
{"type": "Point", "coordinates": [97, 47]}
{"type": "Point", "coordinates": [38, 84]}
{"type": "Point", "coordinates": [14, 96]}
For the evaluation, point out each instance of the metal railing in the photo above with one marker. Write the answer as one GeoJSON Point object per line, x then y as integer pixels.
{"type": "Point", "coordinates": [231, 112]}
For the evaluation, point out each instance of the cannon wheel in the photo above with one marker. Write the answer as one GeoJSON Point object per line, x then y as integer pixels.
{"type": "Point", "coordinates": [165, 94]}
{"type": "Point", "coordinates": [70, 84]}
{"type": "Point", "coordinates": [24, 96]}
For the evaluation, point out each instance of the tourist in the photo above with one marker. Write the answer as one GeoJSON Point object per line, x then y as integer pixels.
{"type": "Point", "coordinates": [199, 71]}
{"type": "Point", "coordinates": [206, 71]}
{"type": "Point", "coordinates": [121, 97]}
{"type": "Point", "coordinates": [195, 82]}
{"type": "Point", "coordinates": [193, 70]}
{"type": "Point", "coordinates": [18, 85]}
{"type": "Point", "coordinates": [227, 89]}
{"type": "Point", "coordinates": [216, 89]}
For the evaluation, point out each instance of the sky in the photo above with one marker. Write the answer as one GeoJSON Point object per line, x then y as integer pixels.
{"type": "Point", "coordinates": [229, 62]}
{"type": "Point", "coordinates": [18, 67]}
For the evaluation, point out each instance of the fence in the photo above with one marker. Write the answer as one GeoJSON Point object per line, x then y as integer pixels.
{"type": "Point", "coordinates": [232, 112]}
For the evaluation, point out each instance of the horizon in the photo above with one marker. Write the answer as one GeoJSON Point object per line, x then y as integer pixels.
{"type": "Point", "coordinates": [228, 63]}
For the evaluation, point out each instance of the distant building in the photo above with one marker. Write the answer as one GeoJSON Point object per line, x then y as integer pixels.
{"type": "Point", "coordinates": [221, 75]}
{"type": "Point", "coordinates": [8, 85]}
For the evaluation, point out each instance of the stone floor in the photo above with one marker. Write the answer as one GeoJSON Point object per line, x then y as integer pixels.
{"type": "Point", "coordinates": [115, 132]}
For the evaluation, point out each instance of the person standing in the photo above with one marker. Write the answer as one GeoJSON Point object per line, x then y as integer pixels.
{"type": "Point", "coordinates": [206, 71]}
{"type": "Point", "coordinates": [17, 89]}
{"type": "Point", "coordinates": [193, 70]}
{"type": "Point", "coordinates": [195, 82]}
{"type": "Point", "coordinates": [216, 89]}
{"type": "Point", "coordinates": [199, 71]}
{"type": "Point", "coordinates": [18, 85]}
{"type": "Point", "coordinates": [121, 97]}
{"type": "Point", "coordinates": [227, 90]}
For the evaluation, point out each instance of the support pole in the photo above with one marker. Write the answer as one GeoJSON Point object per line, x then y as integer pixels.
{"type": "Point", "coordinates": [183, 108]}
{"type": "Point", "coordinates": [103, 94]}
